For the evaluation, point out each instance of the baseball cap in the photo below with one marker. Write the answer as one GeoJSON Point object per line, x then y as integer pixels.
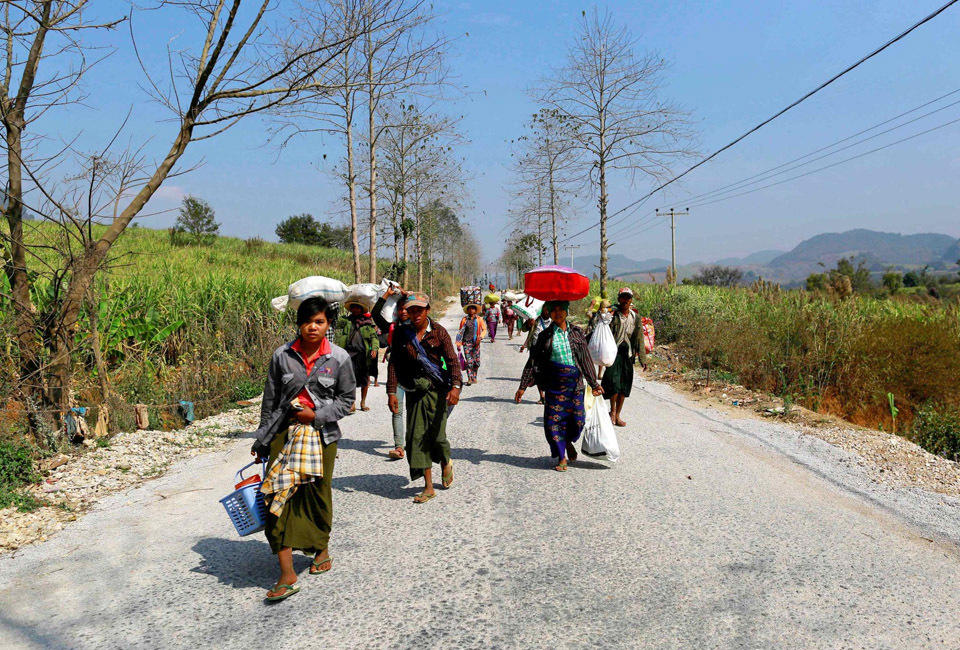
{"type": "Point", "coordinates": [417, 299]}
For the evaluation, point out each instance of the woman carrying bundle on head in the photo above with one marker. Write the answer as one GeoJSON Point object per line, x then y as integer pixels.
{"type": "Point", "coordinates": [492, 315]}
{"type": "Point", "coordinates": [559, 364]}
{"type": "Point", "coordinates": [310, 386]}
{"type": "Point", "coordinates": [510, 317]}
{"type": "Point", "coordinates": [357, 334]}
{"type": "Point", "coordinates": [471, 332]}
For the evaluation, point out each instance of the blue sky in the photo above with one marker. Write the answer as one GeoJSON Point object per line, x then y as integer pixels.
{"type": "Point", "coordinates": [732, 65]}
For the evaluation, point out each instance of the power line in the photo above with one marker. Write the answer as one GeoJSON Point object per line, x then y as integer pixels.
{"type": "Point", "coordinates": [767, 173]}
{"type": "Point", "coordinates": [839, 162]}
{"type": "Point", "coordinates": [826, 83]}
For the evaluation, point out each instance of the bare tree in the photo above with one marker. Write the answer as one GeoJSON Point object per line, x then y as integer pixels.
{"type": "Point", "coordinates": [239, 67]}
{"type": "Point", "coordinates": [398, 58]}
{"type": "Point", "coordinates": [33, 33]}
{"type": "Point", "coordinates": [547, 172]}
{"type": "Point", "coordinates": [331, 106]}
{"type": "Point", "coordinates": [407, 146]}
{"type": "Point", "coordinates": [611, 97]}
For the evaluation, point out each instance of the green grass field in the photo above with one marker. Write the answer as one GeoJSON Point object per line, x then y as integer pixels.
{"type": "Point", "coordinates": [181, 323]}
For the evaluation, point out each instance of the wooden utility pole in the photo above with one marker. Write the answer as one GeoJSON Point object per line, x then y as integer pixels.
{"type": "Point", "coordinates": [673, 238]}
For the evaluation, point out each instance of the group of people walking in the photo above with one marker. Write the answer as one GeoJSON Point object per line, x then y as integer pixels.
{"type": "Point", "coordinates": [311, 385]}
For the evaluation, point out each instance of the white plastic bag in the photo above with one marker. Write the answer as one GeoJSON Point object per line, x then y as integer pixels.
{"type": "Point", "coordinates": [602, 346]}
{"type": "Point", "coordinates": [310, 287]}
{"type": "Point", "coordinates": [599, 438]}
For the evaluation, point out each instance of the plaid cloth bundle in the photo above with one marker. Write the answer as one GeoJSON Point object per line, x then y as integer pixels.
{"type": "Point", "coordinates": [300, 461]}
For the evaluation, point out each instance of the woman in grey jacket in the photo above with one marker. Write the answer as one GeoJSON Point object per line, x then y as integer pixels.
{"type": "Point", "coordinates": [310, 386]}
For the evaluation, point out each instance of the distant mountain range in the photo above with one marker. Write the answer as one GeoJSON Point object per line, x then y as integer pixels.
{"type": "Point", "coordinates": [877, 250]}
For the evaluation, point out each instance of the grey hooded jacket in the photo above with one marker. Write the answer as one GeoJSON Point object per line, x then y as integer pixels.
{"type": "Point", "coordinates": [331, 384]}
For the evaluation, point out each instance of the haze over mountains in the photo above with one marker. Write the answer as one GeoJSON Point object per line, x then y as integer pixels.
{"type": "Point", "coordinates": [878, 250]}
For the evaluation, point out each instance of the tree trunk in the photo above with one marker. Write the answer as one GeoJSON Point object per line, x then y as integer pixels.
{"type": "Point", "coordinates": [406, 260]}
{"type": "Point", "coordinates": [15, 266]}
{"type": "Point", "coordinates": [419, 241]}
{"type": "Point", "coordinates": [352, 190]}
{"type": "Point", "coordinates": [603, 221]}
{"type": "Point", "coordinates": [553, 220]}
{"type": "Point", "coordinates": [372, 107]}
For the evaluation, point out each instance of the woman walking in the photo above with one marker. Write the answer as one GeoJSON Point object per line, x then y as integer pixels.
{"type": "Point", "coordinates": [492, 316]}
{"type": "Point", "coordinates": [509, 318]}
{"type": "Point", "coordinates": [628, 333]}
{"type": "Point", "coordinates": [400, 320]}
{"type": "Point", "coordinates": [424, 363]}
{"type": "Point", "coordinates": [559, 364]}
{"type": "Point", "coordinates": [357, 334]}
{"type": "Point", "coordinates": [310, 386]}
{"type": "Point", "coordinates": [470, 334]}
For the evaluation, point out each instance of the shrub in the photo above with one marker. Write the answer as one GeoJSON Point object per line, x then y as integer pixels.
{"type": "Point", "coordinates": [16, 471]}
{"type": "Point", "coordinates": [937, 429]}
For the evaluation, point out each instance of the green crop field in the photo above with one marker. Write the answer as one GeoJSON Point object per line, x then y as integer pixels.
{"type": "Point", "coordinates": [179, 323]}
{"type": "Point", "coordinates": [843, 357]}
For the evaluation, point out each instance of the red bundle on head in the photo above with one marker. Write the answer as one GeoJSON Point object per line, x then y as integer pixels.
{"type": "Point", "coordinates": [556, 283]}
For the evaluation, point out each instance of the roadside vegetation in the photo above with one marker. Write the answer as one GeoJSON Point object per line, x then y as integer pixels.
{"type": "Point", "coordinates": [177, 322]}
{"type": "Point", "coordinates": [889, 363]}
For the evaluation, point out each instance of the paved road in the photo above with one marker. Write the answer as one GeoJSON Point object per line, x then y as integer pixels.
{"type": "Point", "coordinates": [702, 536]}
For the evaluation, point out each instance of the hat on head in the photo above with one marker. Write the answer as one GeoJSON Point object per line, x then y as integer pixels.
{"type": "Point", "coordinates": [417, 299]}
{"type": "Point", "coordinates": [625, 291]}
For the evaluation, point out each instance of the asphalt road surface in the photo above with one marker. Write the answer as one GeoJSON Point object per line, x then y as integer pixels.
{"type": "Point", "coordinates": [709, 533]}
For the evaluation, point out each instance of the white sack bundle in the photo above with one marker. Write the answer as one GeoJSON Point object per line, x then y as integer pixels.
{"type": "Point", "coordinates": [310, 287]}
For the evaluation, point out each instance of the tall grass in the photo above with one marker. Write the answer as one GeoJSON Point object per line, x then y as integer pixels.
{"type": "Point", "coordinates": [181, 322]}
{"type": "Point", "coordinates": [835, 356]}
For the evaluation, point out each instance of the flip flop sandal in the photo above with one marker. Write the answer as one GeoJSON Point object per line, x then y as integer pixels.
{"type": "Point", "coordinates": [395, 454]}
{"type": "Point", "coordinates": [562, 467]}
{"type": "Point", "coordinates": [444, 481]}
{"type": "Point", "coordinates": [364, 408]}
{"type": "Point", "coordinates": [290, 590]}
{"type": "Point", "coordinates": [315, 569]}
{"type": "Point", "coordinates": [423, 497]}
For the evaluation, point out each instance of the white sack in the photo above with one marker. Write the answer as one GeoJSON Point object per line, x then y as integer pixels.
{"type": "Point", "coordinates": [513, 296]}
{"type": "Point", "coordinates": [528, 307]}
{"type": "Point", "coordinates": [389, 311]}
{"type": "Point", "coordinates": [602, 346]}
{"type": "Point", "coordinates": [365, 294]}
{"type": "Point", "coordinates": [310, 287]}
{"type": "Point", "coordinates": [599, 437]}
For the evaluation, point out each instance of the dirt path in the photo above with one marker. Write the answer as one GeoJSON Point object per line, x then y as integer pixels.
{"type": "Point", "coordinates": [710, 532]}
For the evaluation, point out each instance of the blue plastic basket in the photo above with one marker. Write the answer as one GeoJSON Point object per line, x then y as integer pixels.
{"type": "Point", "coordinates": [245, 506]}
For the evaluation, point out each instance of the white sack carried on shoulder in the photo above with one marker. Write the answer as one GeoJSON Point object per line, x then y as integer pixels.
{"type": "Point", "coordinates": [528, 307]}
{"type": "Point", "coordinates": [602, 346]}
{"type": "Point", "coordinates": [385, 284]}
{"type": "Point", "coordinates": [599, 437]}
{"type": "Point", "coordinates": [513, 296]}
{"type": "Point", "coordinates": [310, 287]}
{"type": "Point", "coordinates": [389, 311]}
{"type": "Point", "coordinates": [365, 294]}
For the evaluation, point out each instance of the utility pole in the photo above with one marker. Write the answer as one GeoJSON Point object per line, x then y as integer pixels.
{"type": "Point", "coordinates": [571, 248]}
{"type": "Point", "coordinates": [673, 238]}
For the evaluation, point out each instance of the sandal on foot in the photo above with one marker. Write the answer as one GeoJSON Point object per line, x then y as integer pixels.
{"type": "Point", "coordinates": [315, 569]}
{"type": "Point", "coordinates": [423, 497]}
{"type": "Point", "coordinates": [396, 454]}
{"type": "Point", "coordinates": [445, 481]}
{"type": "Point", "coordinates": [562, 467]}
{"type": "Point", "coordinates": [289, 590]}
